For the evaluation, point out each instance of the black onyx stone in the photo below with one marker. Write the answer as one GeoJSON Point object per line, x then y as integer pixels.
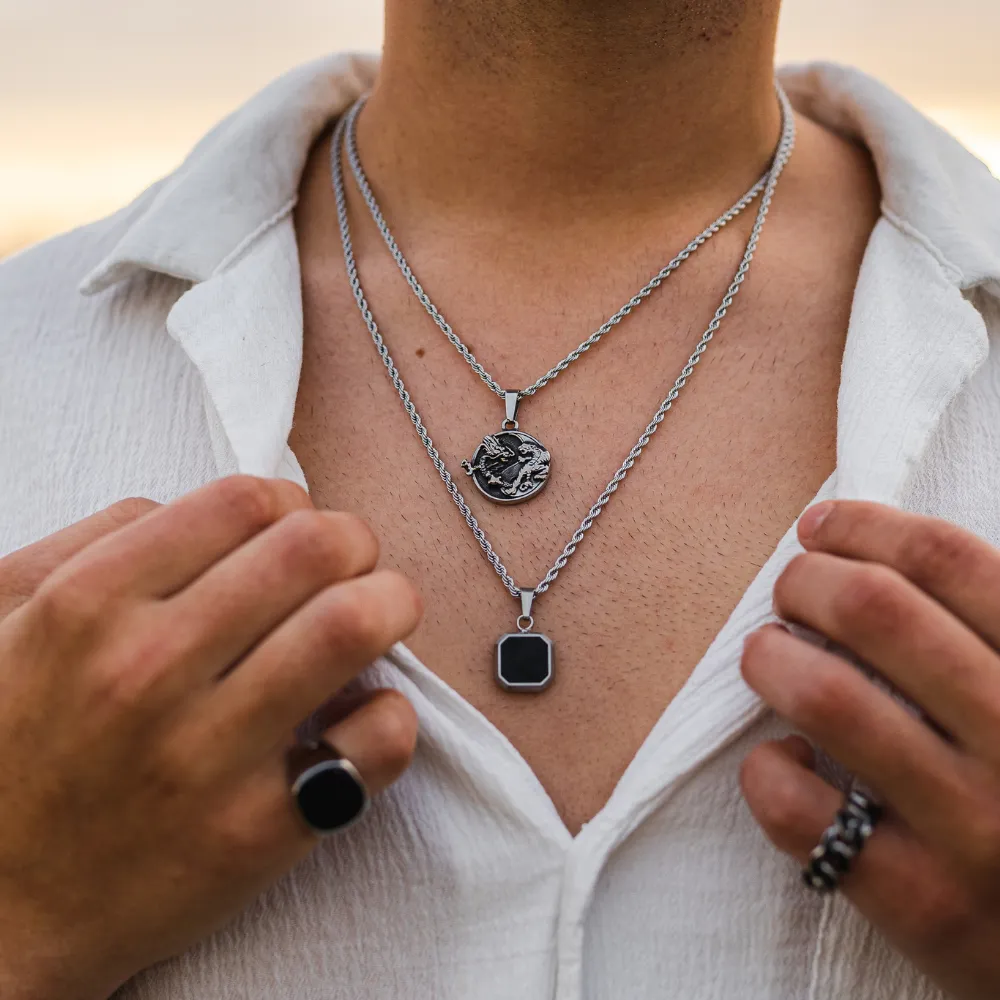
{"type": "Point", "coordinates": [329, 797]}
{"type": "Point", "coordinates": [524, 661]}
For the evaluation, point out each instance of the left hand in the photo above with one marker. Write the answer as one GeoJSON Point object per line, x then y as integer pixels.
{"type": "Point", "coordinates": [919, 600]}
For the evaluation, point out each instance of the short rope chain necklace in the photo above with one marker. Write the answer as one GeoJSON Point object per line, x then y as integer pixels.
{"type": "Point", "coordinates": [525, 658]}
{"type": "Point", "coordinates": [511, 466]}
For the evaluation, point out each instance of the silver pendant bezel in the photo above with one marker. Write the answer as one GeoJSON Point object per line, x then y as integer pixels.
{"type": "Point", "coordinates": [526, 688]}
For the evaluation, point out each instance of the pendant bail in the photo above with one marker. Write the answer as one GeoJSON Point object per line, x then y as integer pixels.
{"type": "Point", "coordinates": [511, 399]}
{"type": "Point", "coordinates": [527, 596]}
{"type": "Point", "coordinates": [525, 622]}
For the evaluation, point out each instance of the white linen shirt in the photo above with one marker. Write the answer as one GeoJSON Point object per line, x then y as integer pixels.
{"type": "Point", "coordinates": [177, 360]}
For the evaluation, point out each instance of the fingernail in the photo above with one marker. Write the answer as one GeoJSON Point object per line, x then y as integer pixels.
{"type": "Point", "coordinates": [811, 520]}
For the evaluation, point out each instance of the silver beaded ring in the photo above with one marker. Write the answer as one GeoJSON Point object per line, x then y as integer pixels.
{"type": "Point", "coordinates": [842, 842]}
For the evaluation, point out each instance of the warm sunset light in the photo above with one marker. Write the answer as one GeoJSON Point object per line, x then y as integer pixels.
{"type": "Point", "coordinates": [499, 499]}
{"type": "Point", "coordinates": [78, 142]}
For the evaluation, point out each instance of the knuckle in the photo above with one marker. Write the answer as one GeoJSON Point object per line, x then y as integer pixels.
{"type": "Point", "coordinates": [17, 582]}
{"type": "Point", "coordinates": [354, 621]}
{"type": "Point", "coordinates": [325, 546]}
{"type": "Point", "coordinates": [870, 597]}
{"type": "Point", "coordinates": [180, 764]}
{"type": "Point", "coordinates": [395, 726]}
{"type": "Point", "coordinates": [982, 841]}
{"type": "Point", "coordinates": [935, 549]}
{"type": "Point", "coordinates": [306, 542]}
{"type": "Point", "coordinates": [790, 580]}
{"type": "Point", "coordinates": [246, 498]}
{"type": "Point", "coordinates": [850, 522]}
{"type": "Point", "coordinates": [128, 510]}
{"type": "Point", "coordinates": [233, 844]}
{"type": "Point", "coordinates": [938, 914]}
{"type": "Point", "coordinates": [367, 615]}
{"type": "Point", "coordinates": [293, 496]}
{"type": "Point", "coordinates": [152, 650]}
{"type": "Point", "coordinates": [776, 803]}
{"type": "Point", "coordinates": [755, 654]}
{"type": "Point", "coordinates": [781, 811]}
{"type": "Point", "coordinates": [169, 773]}
{"type": "Point", "coordinates": [357, 529]}
{"type": "Point", "coordinates": [826, 701]}
{"type": "Point", "coordinates": [111, 688]}
{"type": "Point", "coordinates": [121, 683]}
{"type": "Point", "coordinates": [69, 605]}
{"type": "Point", "coordinates": [126, 669]}
{"type": "Point", "coordinates": [755, 644]}
{"type": "Point", "coordinates": [402, 593]}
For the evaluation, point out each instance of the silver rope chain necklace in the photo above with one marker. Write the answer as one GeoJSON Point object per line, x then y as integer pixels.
{"type": "Point", "coordinates": [511, 466]}
{"type": "Point", "coordinates": [525, 660]}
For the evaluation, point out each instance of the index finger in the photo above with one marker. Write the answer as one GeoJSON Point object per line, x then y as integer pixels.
{"type": "Point", "coordinates": [178, 542]}
{"type": "Point", "coordinates": [952, 565]}
{"type": "Point", "coordinates": [22, 571]}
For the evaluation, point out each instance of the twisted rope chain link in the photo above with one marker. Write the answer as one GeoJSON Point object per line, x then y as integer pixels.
{"type": "Point", "coordinates": [361, 179]}
{"type": "Point", "coordinates": [343, 135]}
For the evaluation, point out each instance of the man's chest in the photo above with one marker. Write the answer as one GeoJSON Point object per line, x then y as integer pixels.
{"type": "Point", "coordinates": [743, 450]}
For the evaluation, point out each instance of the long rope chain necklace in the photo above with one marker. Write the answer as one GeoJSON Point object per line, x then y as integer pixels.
{"type": "Point", "coordinates": [524, 659]}
{"type": "Point", "coordinates": [511, 466]}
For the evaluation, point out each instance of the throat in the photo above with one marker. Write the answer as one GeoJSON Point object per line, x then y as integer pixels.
{"type": "Point", "coordinates": [501, 37]}
{"type": "Point", "coordinates": [533, 109]}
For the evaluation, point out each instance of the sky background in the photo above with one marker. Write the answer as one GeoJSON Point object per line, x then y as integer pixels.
{"type": "Point", "coordinates": [75, 143]}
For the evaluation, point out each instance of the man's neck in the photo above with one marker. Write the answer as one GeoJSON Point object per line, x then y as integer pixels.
{"type": "Point", "coordinates": [542, 110]}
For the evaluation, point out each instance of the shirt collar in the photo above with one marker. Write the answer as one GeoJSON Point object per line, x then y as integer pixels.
{"type": "Point", "coordinates": [240, 178]}
{"type": "Point", "coordinates": [933, 188]}
{"type": "Point", "coordinates": [244, 174]}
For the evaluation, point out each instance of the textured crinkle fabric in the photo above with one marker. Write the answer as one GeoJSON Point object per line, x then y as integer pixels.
{"type": "Point", "coordinates": [156, 350]}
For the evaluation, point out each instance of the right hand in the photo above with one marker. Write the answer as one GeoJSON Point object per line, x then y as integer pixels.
{"type": "Point", "coordinates": [154, 662]}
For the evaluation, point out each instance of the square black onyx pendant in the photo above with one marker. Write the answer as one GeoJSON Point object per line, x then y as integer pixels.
{"type": "Point", "coordinates": [524, 661]}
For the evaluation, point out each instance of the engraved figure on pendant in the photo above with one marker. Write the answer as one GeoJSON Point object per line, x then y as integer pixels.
{"type": "Point", "coordinates": [509, 467]}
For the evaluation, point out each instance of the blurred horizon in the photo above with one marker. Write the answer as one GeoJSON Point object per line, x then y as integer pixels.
{"type": "Point", "coordinates": [77, 143]}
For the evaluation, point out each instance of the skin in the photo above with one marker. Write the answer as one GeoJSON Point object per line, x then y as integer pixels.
{"type": "Point", "coordinates": [155, 663]}
{"type": "Point", "coordinates": [527, 243]}
{"type": "Point", "coordinates": [168, 736]}
{"type": "Point", "coordinates": [916, 598]}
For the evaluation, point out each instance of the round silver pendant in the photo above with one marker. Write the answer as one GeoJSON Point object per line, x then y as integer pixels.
{"type": "Point", "coordinates": [509, 467]}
